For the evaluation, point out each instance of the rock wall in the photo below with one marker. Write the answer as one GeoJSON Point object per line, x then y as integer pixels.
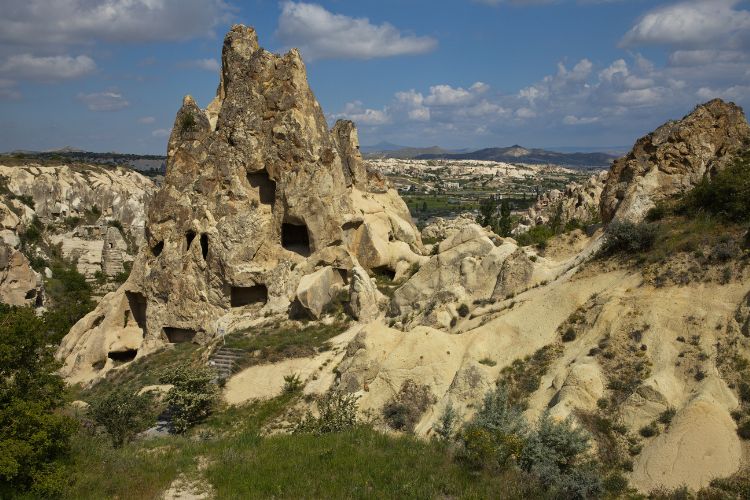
{"type": "Point", "coordinates": [258, 193]}
{"type": "Point", "coordinates": [673, 159]}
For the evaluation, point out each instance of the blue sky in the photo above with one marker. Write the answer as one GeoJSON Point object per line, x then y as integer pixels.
{"type": "Point", "coordinates": [109, 75]}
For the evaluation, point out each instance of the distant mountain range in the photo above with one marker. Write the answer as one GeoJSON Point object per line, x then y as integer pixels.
{"type": "Point", "coordinates": [512, 154]}
{"type": "Point", "coordinates": [70, 154]}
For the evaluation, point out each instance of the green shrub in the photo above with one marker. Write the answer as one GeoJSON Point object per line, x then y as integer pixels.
{"type": "Point", "coordinates": [487, 361]}
{"type": "Point", "coordinates": [629, 237]}
{"type": "Point", "coordinates": [70, 297]}
{"type": "Point", "coordinates": [569, 335]}
{"type": "Point", "coordinates": [667, 416]}
{"type": "Point", "coordinates": [34, 436]}
{"type": "Point", "coordinates": [537, 235]}
{"type": "Point", "coordinates": [337, 412]}
{"type": "Point", "coordinates": [649, 430]}
{"type": "Point", "coordinates": [557, 454]}
{"type": "Point", "coordinates": [495, 435]}
{"type": "Point", "coordinates": [463, 310]}
{"type": "Point", "coordinates": [406, 407]}
{"type": "Point", "coordinates": [122, 415]}
{"type": "Point", "coordinates": [192, 397]}
{"type": "Point", "coordinates": [292, 383]}
{"type": "Point", "coordinates": [657, 213]}
{"type": "Point", "coordinates": [187, 122]}
{"type": "Point", "coordinates": [727, 194]}
{"type": "Point", "coordinates": [445, 427]}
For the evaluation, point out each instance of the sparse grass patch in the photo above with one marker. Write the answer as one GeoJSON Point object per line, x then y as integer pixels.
{"type": "Point", "coordinates": [522, 377]}
{"type": "Point", "coordinates": [273, 344]}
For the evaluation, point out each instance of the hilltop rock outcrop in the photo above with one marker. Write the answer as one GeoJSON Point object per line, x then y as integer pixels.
{"type": "Point", "coordinates": [258, 194]}
{"type": "Point", "coordinates": [673, 159]}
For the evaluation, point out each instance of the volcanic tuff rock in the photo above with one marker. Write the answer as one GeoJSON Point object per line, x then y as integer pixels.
{"type": "Point", "coordinates": [20, 285]}
{"type": "Point", "coordinates": [673, 159]}
{"type": "Point", "coordinates": [78, 207]}
{"type": "Point", "coordinates": [578, 202]}
{"type": "Point", "coordinates": [65, 191]}
{"type": "Point", "coordinates": [258, 193]}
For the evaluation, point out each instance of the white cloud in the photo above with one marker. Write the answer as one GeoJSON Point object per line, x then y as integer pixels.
{"type": "Point", "coordinates": [109, 100]}
{"type": "Point", "coordinates": [161, 132]}
{"type": "Point", "coordinates": [147, 120]}
{"type": "Point", "coordinates": [525, 113]}
{"type": "Point", "coordinates": [321, 34]}
{"type": "Point", "coordinates": [210, 64]}
{"type": "Point", "coordinates": [689, 23]}
{"type": "Point", "coordinates": [357, 113]}
{"type": "Point", "coordinates": [575, 120]}
{"type": "Point", "coordinates": [42, 22]}
{"type": "Point", "coordinates": [29, 67]}
{"type": "Point", "coordinates": [445, 95]}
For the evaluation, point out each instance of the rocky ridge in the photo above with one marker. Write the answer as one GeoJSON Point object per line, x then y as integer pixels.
{"type": "Point", "coordinates": [674, 158]}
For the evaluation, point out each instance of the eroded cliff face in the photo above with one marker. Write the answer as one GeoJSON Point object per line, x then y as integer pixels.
{"type": "Point", "coordinates": [674, 158]}
{"type": "Point", "coordinates": [94, 215]}
{"type": "Point", "coordinates": [258, 194]}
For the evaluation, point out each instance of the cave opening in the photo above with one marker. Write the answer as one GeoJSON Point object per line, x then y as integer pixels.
{"type": "Point", "coordinates": [137, 305]}
{"type": "Point", "coordinates": [295, 238]}
{"type": "Point", "coordinates": [189, 237]}
{"type": "Point", "coordinates": [246, 295]}
{"type": "Point", "coordinates": [156, 249]}
{"type": "Point", "coordinates": [265, 186]}
{"type": "Point", "coordinates": [179, 335]}
{"type": "Point", "coordinates": [125, 356]}
{"type": "Point", "coordinates": [385, 272]}
{"type": "Point", "coordinates": [204, 245]}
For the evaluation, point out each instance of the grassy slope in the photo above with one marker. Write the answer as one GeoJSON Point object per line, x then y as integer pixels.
{"type": "Point", "coordinates": [361, 463]}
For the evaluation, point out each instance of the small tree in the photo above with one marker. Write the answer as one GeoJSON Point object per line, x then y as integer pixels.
{"type": "Point", "coordinates": [445, 427]}
{"type": "Point", "coordinates": [192, 397]}
{"type": "Point", "coordinates": [337, 412]}
{"type": "Point", "coordinates": [34, 436]}
{"type": "Point", "coordinates": [556, 453]}
{"type": "Point", "coordinates": [496, 434]}
{"type": "Point", "coordinates": [122, 415]}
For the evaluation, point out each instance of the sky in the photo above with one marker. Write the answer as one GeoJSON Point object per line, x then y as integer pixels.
{"type": "Point", "coordinates": [109, 75]}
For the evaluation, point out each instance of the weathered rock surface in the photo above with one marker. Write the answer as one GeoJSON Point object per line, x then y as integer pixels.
{"type": "Point", "coordinates": [579, 202]}
{"type": "Point", "coordinates": [20, 285]}
{"type": "Point", "coordinates": [673, 159]}
{"type": "Point", "coordinates": [465, 268]}
{"type": "Point", "coordinates": [70, 191]}
{"type": "Point", "coordinates": [258, 194]}
{"type": "Point", "coordinates": [439, 228]}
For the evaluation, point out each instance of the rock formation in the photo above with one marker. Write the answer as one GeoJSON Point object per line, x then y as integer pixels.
{"type": "Point", "coordinates": [20, 285]}
{"type": "Point", "coordinates": [57, 192]}
{"type": "Point", "coordinates": [673, 159]}
{"type": "Point", "coordinates": [262, 208]}
{"type": "Point", "coordinates": [579, 202]}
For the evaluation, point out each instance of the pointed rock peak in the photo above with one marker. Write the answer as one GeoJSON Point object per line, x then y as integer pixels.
{"type": "Point", "coordinates": [242, 40]}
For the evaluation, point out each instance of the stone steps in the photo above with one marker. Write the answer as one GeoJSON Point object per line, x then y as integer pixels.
{"type": "Point", "coordinates": [225, 361]}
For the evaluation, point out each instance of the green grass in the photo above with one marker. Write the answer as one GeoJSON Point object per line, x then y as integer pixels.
{"type": "Point", "coordinates": [278, 343]}
{"type": "Point", "coordinates": [140, 373]}
{"type": "Point", "coordinates": [361, 463]}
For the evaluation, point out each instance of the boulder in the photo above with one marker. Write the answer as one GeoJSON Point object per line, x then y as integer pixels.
{"type": "Point", "coordinates": [316, 291]}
